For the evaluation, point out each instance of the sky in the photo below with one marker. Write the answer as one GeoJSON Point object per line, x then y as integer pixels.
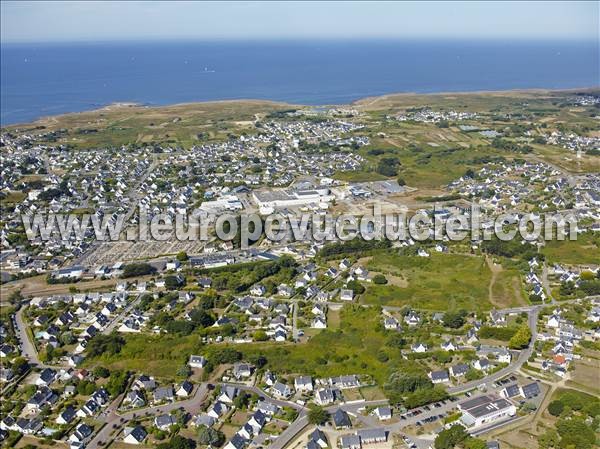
{"type": "Point", "coordinates": [74, 21]}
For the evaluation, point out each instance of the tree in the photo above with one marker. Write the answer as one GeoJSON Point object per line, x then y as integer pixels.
{"type": "Point", "coordinates": [173, 282]}
{"type": "Point", "coordinates": [105, 344]}
{"type": "Point", "coordinates": [85, 387]}
{"type": "Point", "coordinates": [177, 442]}
{"type": "Point", "coordinates": [469, 173]}
{"type": "Point", "coordinates": [424, 396]}
{"type": "Point", "coordinates": [257, 360]}
{"type": "Point", "coordinates": [382, 356]}
{"type": "Point", "coordinates": [210, 437]}
{"type": "Point", "coordinates": [449, 438]}
{"type": "Point", "coordinates": [241, 401]}
{"type": "Point", "coordinates": [407, 382]}
{"type": "Point", "coordinates": [401, 182]}
{"type": "Point", "coordinates": [117, 382]}
{"type": "Point", "coordinates": [555, 408]}
{"type": "Point", "coordinates": [396, 340]}
{"type": "Point", "coordinates": [137, 269]}
{"type": "Point", "coordinates": [182, 256]}
{"type": "Point", "coordinates": [356, 287]}
{"type": "Point", "coordinates": [224, 355]}
{"type": "Point", "coordinates": [201, 317]}
{"type": "Point", "coordinates": [379, 279]}
{"type": "Point", "coordinates": [260, 335]}
{"type": "Point", "coordinates": [473, 374]}
{"type": "Point", "coordinates": [521, 339]}
{"type": "Point", "coordinates": [575, 432]}
{"type": "Point", "coordinates": [454, 320]}
{"type": "Point", "coordinates": [101, 372]}
{"type": "Point", "coordinates": [388, 166]}
{"type": "Point", "coordinates": [318, 415]}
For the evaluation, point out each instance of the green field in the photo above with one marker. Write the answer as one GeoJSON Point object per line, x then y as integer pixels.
{"type": "Point", "coordinates": [584, 250]}
{"type": "Point", "coordinates": [438, 282]}
{"type": "Point", "coordinates": [160, 356]}
{"type": "Point", "coordinates": [350, 349]}
{"type": "Point", "coordinates": [507, 289]}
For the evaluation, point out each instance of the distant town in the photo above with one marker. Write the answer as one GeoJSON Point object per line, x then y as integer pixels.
{"type": "Point", "coordinates": [289, 344]}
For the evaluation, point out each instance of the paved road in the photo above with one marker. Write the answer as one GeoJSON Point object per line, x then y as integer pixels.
{"type": "Point", "coordinates": [122, 315]}
{"type": "Point", "coordinates": [302, 421]}
{"type": "Point", "coordinates": [514, 366]}
{"type": "Point", "coordinates": [111, 417]}
{"type": "Point", "coordinates": [262, 393]}
{"type": "Point", "coordinates": [28, 349]}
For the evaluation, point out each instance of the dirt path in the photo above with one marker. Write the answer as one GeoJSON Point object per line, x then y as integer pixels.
{"type": "Point", "coordinates": [495, 269]}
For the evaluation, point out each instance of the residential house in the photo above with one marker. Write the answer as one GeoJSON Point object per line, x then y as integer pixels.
{"type": "Point", "coordinates": [197, 361]}
{"type": "Point", "coordinates": [383, 413]}
{"type": "Point", "coordinates": [439, 376]}
{"type": "Point", "coordinates": [184, 389]}
{"type": "Point", "coordinates": [163, 394]}
{"type": "Point", "coordinates": [134, 435]}
{"type": "Point", "coordinates": [303, 384]}
{"type": "Point", "coordinates": [164, 422]}
{"type": "Point", "coordinates": [341, 420]}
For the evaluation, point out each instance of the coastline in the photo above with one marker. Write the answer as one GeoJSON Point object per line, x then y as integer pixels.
{"type": "Point", "coordinates": [362, 103]}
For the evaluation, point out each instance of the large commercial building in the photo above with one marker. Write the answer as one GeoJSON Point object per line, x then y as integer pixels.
{"type": "Point", "coordinates": [485, 410]}
{"type": "Point", "coordinates": [274, 199]}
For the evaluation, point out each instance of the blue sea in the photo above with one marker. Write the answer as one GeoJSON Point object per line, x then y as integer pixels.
{"type": "Point", "coordinates": [47, 79]}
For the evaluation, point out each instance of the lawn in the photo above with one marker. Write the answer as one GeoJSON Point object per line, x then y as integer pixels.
{"type": "Point", "coordinates": [373, 393]}
{"type": "Point", "coordinates": [439, 282]}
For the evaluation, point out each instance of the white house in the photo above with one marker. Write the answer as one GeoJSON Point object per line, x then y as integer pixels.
{"type": "Point", "coordinates": [134, 435]}
{"type": "Point", "coordinates": [197, 361]}
{"type": "Point", "coordinates": [419, 347]}
{"type": "Point", "coordinates": [346, 295]}
{"type": "Point", "coordinates": [303, 384]}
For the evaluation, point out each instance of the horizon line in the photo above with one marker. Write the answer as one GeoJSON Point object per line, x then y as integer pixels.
{"type": "Point", "coordinates": [241, 39]}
